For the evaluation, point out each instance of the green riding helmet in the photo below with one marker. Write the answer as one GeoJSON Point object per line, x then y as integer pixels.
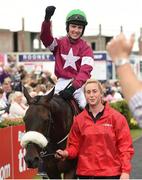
{"type": "Point", "coordinates": [77, 17]}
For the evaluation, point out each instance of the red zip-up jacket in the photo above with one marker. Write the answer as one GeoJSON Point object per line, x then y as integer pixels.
{"type": "Point", "coordinates": [103, 148]}
{"type": "Point", "coordinates": [72, 60]}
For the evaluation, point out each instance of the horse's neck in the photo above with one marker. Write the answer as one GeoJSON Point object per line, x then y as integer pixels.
{"type": "Point", "coordinates": [62, 113]}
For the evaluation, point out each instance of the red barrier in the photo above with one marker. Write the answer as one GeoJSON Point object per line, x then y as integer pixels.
{"type": "Point", "coordinates": [5, 153]}
{"type": "Point", "coordinates": [12, 164]}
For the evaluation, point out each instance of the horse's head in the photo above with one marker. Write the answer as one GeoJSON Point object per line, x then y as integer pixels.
{"type": "Point", "coordinates": [37, 124]}
{"type": "Point", "coordinates": [47, 123]}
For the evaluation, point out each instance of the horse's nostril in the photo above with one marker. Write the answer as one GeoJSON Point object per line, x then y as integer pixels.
{"type": "Point", "coordinates": [29, 164]}
{"type": "Point", "coordinates": [33, 163]}
{"type": "Point", "coordinates": [36, 161]}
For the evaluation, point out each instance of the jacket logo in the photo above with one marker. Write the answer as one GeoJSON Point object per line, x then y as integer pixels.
{"type": "Point", "coordinates": [107, 124]}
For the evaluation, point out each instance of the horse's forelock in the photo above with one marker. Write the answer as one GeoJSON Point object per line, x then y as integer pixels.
{"type": "Point", "coordinates": [36, 100]}
{"type": "Point", "coordinates": [34, 137]}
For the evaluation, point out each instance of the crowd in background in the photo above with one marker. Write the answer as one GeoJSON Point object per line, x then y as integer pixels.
{"type": "Point", "coordinates": [12, 101]}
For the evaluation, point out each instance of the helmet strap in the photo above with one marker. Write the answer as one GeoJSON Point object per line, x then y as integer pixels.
{"type": "Point", "coordinates": [83, 31]}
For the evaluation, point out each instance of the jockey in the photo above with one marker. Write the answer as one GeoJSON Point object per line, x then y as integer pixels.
{"type": "Point", "coordinates": [73, 56]}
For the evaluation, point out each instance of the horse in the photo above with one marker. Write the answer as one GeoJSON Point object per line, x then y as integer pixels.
{"type": "Point", "coordinates": [47, 123]}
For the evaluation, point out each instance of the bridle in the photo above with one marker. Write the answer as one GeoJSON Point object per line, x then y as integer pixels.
{"type": "Point", "coordinates": [44, 152]}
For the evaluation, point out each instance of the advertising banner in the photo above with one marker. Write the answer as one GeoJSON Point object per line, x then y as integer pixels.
{"type": "Point", "coordinates": [100, 70]}
{"type": "Point", "coordinates": [20, 169]}
{"type": "Point", "coordinates": [103, 69]}
{"type": "Point", "coordinates": [100, 56]}
{"type": "Point", "coordinates": [35, 57]}
{"type": "Point", "coordinates": [5, 153]}
{"type": "Point", "coordinates": [12, 164]}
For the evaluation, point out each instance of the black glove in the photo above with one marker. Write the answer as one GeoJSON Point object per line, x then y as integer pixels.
{"type": "Point", "coordinates": [67, 93]}
{"type": "Point", "coordinates": [49, 12]}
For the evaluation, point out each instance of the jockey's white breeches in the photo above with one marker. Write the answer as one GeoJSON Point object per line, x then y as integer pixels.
{"type": "Point", "coordinates": [78, 94]}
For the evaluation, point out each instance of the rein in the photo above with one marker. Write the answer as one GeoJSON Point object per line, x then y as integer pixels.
{"type": "Point", "coordinates": [44, 153]}
{"type": "Point", "coordinates": [63, 139]}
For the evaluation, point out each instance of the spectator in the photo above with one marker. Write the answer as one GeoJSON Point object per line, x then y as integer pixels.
{"type": "Point", "coordinates": [110, 96]}
{"type": "Point", "coordinates": [119, 49]}
{"type": "Point", "coordinates": [17, 105]}
{"type": "Point", "coordinates": [40, 89]}
{"type": "Point", "coordinates": [116, 96]}
{"type": "Point", "coordinates": [7, 88]}
{"type": "Point", "coordinates": [22, 71]}
{"type": "Point", "coordinates": [3, 75]}
{"type": "Point", "coordinates": [3, 104]}
{"type": "Point", "coordinates": [73, 57]}
{"type": "Point", "coordinates": [100, 138]}
{"type": "Point", "coordinates": [16, 80]}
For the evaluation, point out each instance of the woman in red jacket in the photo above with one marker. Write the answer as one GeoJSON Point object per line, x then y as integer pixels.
{"type": "Point", "coordinates": [100, 138]}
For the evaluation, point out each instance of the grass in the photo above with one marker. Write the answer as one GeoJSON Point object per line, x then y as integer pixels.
{"type": "Point", "coordinates": [136, 133]}
{"type": "Point", "coordinates": [37, 177]}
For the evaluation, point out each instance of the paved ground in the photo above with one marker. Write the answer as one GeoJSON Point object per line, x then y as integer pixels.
{"type": "Point", "coordinates": [137, 160]}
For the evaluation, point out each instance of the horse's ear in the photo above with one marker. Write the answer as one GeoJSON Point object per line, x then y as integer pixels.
{"type": "Point", "coordinates": [49, 96]}
{"type": "Point", "coordinates": [27, 95]}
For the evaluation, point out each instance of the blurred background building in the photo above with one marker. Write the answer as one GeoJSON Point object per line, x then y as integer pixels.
{"type": "Point", "coordinates": [25, 48]}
